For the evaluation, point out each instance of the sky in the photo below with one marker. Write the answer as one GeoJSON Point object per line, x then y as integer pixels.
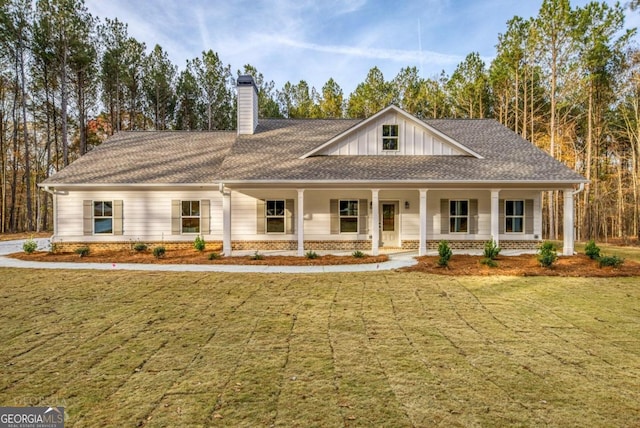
{"type": "Point", "coordinates": [314, 40]}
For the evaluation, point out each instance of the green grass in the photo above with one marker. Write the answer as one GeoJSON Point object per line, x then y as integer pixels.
{"type": "Point", "coordinates": [627, 253]}
{"type": "Point", "coordinates": [371, 349]}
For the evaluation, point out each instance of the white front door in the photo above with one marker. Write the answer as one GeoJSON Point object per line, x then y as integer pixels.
{"type": "Point", "coordinates": [389, 224]}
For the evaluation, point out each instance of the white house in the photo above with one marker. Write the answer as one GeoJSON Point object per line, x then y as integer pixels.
{"type": "Point", "coordinates": [388, 181]}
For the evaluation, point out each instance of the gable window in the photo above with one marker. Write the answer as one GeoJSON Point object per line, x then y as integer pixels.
{"type": "Point", "coordinates": [190, 216]}
{"type": "Point", "coordinates": [348, 213]}
{"type": "Point", "coordinates": [514, 216]}
{"type": "Point", "coordinates": [102, 216]}
{"type": "Point", "coordinates": [390, 137]}
{"type": "Point", "coordinates": [275, 216]}
{"type": "Point", "coordinates": [458, 216]}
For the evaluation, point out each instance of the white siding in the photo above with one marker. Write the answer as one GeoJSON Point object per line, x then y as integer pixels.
{"type": "Point", "coordinates": [414, 139]}
{"type": "Point", "coordinates": [247, 109]}
{"type": "Point", "coordinates": [146, 214]}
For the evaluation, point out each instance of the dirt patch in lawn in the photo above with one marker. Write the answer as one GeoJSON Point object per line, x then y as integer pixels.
{"type": "Point", "coordinates": [524, 265]}
{"type": "Point", "coordinates": [194, 257]}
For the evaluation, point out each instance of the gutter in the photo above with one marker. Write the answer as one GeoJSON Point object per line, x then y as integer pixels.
{"type": "Point", "coordinates": [580, 189]}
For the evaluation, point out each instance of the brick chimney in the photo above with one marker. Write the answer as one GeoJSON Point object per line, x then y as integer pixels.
{"type": "Point", "coordinates": [247, 105]}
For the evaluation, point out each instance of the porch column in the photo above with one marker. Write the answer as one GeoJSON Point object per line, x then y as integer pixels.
{"type": "Point", "coordinates": [567, 247]}
{"type": "Point", "coordinates": [300, 222]}
{"type": "Point", "coordinates": [422, 248]}
{"type": "Point", "coordinates": [226, 222]}
{"type": "Point", "coordinates": [495, 215]}
{"type": "Point", "coordinates": [375, 223]}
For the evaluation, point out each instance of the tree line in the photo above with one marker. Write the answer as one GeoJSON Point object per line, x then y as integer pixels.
{"type": "Point", "coordinates": [567, 80]}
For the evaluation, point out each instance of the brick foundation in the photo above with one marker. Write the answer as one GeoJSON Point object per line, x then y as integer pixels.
{"type": "Point", "coordinates": [362, 245]}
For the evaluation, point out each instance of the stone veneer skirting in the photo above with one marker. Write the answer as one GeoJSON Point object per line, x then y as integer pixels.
{"type": "Point", "coordinates": [362, 245]}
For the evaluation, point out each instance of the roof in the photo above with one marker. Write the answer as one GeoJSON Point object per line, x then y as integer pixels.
{"type": "Point", "coordinates": [274, 154]}
{"type": "Point", "coordinates": [150, 157]}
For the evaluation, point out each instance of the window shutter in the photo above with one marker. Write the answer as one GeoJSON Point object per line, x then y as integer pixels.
{"type": "Point", "coordinates": [289, 220]}
{"type": "Point", "coordinates": [117, 217]}
{"type": "Point", "coordinates": [444, 216]}
{"type": "Point", "coordinates": [260, 217]}
{"type": "Point", "coordinates": [363, 216]}
{"type": "Point", "coordinates": [528, 216]}
{"type": "Point", "coordinates": [333, 213]}
{"type": "Point", "coordinates": [501, 216]}
{"type": "Point", "coordinates": [205, 217]}
{"type": "Point", "coordinates": [175, 217]}
{"type": "Point", "coordinates": [473, 216]}
{"type": "Point", "coordinates": [87, 217]}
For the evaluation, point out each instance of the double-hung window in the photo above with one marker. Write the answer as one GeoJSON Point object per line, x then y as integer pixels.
{"type": "Point", "coordinates": [348, 213]}
{"type": "Point", "coordinates": [458, 216]}
{"type": "Point", "coordinates": [390, 137]}
{"type": "Point", "coordinates": [190, 216]}
{"type": "Point", "coordinates": [514, 216]}
{"type": "Point", "coordinates": [275, 215]}
{"type": "Point", "coordinates": [102, 216]}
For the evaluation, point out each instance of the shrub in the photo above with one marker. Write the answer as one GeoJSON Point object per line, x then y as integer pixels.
{"type": "Point", "coordinates": [592, 250]}
{"type": "Point", "coordinates": [53, 248]}
{"type": "Point", "coordinates": [159, 252]}
{"type": "Point", "coordinates": [547, 254]}
{"type": "Point", "coordinates": [140, 247]}
{"type": "Point", "coordinates": [311, 255]}
{"type": "Point", "coordinates": [491, 250]}
{"type": "Point", "coordinates": [29, 246]}
{"type": "Point", "coordinates": [489, 262]}
{"type": "Point", "coordinates": [445, 253]}
{"type": "Point", "coordinates": [82, 251]}
{"type": "Point", "coordinates": [358, 254]}
{"type": "Point", "coordinates": [199, 243]}
{"type": "Point", "coordinates": [214, 256]}
{"type": "Point", "coordinates": [613, 261]}
{"type": "Point", "coordinates": [256, 256]}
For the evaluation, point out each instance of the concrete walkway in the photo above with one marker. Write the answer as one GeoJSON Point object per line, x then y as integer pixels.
{"type": "Point", "coordinates": [396, 261]}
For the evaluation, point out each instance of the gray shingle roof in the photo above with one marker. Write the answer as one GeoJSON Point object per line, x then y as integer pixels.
{"type": "Point", "coordinates": [273, 154]}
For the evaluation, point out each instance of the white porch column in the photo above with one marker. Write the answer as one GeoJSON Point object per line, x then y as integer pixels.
{"type": "Point", "coordinates": [226, 222]}
{"type": "Point", "coordinates": [375, 223]}
{"type": "Point", "coordinates": [495, 215]}
{"type": "Point", "coordinates": [422, 248]}
{"type": "Point", "coordinates": [300, 221]}
{"type": "Point", "coordinates": [567, 247]}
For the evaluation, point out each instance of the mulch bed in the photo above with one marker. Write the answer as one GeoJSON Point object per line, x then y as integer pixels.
{"type": "Point", "coordinates": [524, 265]}
{"type": "Point", "coordinates": [194, 257]}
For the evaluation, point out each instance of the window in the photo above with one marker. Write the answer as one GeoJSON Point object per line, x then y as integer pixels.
{"type": "Point", "coordinates": [514, 216]}
{"type": "Point", "coordinates": [390, 137]}
{"type": "Point", "coordinates": [348, 213]}
{"type": "Point", "coordinates": [275, 216]}
{"type": "Point", "coordinates": [102, 216]}
{"type": "Point", "coordinates": [190, 216]}
{"type": "Point", "coordinates": [458, 216]}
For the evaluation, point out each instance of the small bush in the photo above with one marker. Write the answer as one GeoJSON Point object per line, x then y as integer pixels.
{"type": "Point", "coordinates": [358, 254]}
{"type": "Point", "coordinates": [547, 254]}
{"type": "Point", "coordinates": [613, 261]}
{"type": "Point", "coordinates": [256, 256]}
{"type": "Point", "coordinates": [489, 262]}
{"type": "Point", "coordinates": [445, 253]}
{"type": "Point", "coordinates": [214, 256]}
{"type": "Point", "coordinates": [140, 247]}
{"type": "Point", "coordinates": [29, 246]}
{"type": "Point", "coordinates": [592, 250]}
{"type": "Point", "coordinates": [199, 243]}
{"type": "Point", "coordinates": [491, 250]}
{"type": "Point", "coordinates": [159, 252]}
{"type": "Point", "coordinates": [82, 251]}
{"type": "Point", "coordinates": [311, 255]}
{"type": "Point", "coordinates": [53, 248]}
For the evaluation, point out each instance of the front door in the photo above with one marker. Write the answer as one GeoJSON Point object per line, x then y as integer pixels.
{"type": "Point", "coordinates": [389, 230]}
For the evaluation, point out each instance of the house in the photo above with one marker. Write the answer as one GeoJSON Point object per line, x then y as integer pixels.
{"type": "Point", "coordinates": [388, 181]}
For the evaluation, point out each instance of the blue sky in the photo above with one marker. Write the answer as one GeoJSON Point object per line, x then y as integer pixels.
{"type": "Point", "coordinates": [314, 40]}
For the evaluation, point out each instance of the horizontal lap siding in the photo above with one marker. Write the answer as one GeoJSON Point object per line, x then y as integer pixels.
{"type": "Point", "coordinates": [146, 214]}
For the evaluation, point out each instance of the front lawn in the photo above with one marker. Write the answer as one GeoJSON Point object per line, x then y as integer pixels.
{"type": "Point", "coordinates": [121, 348]}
